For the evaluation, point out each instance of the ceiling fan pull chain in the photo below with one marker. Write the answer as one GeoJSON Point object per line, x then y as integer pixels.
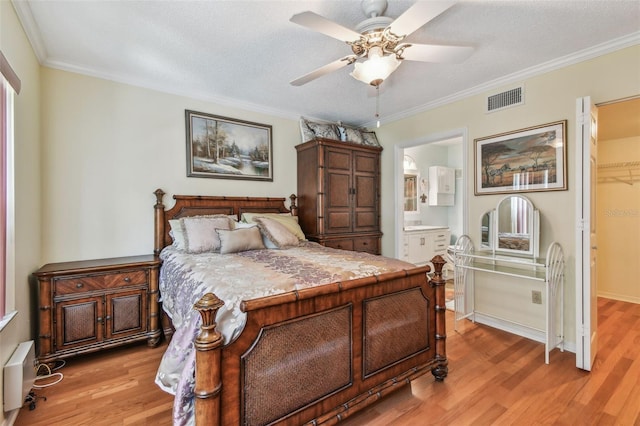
{"type": "Point", "coordinates": [378, 105]}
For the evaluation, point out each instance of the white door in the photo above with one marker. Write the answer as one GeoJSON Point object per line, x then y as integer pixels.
{"type": "Point", "coordinates": [586, 247]}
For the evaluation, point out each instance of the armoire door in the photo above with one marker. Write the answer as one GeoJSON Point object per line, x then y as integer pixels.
{"type": "Point", "coordinates": [365, 192]}
{"type": "Point", "coordinates": [338, 191]}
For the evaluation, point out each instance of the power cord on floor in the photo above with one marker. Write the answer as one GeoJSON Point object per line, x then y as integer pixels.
{"type": "Point", "coordinates": [55, 377]}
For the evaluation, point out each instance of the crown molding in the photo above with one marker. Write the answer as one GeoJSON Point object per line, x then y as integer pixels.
{"type": "Point", "coordinates": [144, 84]}
{"type": "Point", "coordinates": [517, 77]}
{"type": "Point", "coordinates": [31, 29]}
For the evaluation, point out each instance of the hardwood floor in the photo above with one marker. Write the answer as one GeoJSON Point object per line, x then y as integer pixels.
{"type": "Point", "coordinates": [495, 378]}
{"type": "Point", "coordinates": [113, 387]}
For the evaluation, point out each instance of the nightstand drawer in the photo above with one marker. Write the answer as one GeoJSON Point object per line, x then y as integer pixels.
{"type": "Point", "coordinates": [62, 286]}
{"type": "Point", "coordinates": [126, 278]}
{"type": "Point", "coordinates": [73, 285]}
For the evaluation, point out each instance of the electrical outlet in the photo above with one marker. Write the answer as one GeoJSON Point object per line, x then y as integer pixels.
{"type": "Point", "coordinates": [536, 297]}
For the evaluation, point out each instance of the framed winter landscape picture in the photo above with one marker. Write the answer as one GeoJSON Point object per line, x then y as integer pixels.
{"type": "Point", "coordinates": [226, 148]}
{"type": "Point", "coordinates": [527, 160]}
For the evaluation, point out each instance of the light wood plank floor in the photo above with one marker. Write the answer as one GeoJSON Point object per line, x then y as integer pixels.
{"type": "Point", "coordinates": [495, 378]}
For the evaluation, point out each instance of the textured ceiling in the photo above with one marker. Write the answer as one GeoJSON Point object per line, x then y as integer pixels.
{"type": "Point", "coordinates": [244, 53]}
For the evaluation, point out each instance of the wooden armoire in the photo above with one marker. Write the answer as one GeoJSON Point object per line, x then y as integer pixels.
{"type": "Point", "coordinates": [339, 194]}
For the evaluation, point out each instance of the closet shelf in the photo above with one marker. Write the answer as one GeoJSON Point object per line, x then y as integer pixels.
{"type": "Point", "coordinates": [627, 172]}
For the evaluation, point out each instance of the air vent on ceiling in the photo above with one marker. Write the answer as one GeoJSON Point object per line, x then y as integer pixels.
{"type": "Point", "coordinates": [505, 99]}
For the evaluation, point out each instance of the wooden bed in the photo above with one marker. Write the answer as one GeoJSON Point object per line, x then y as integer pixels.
{"type": "Point", "coordinates": [352, 342]}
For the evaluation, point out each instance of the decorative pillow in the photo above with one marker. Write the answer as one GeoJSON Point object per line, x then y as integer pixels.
{"type": "Point", "coordinates": [322, 130]}
{"type": "Point", "coordinates": [200, 232]}
{"type": "Point", "coordinates": [353, 135]}
{"type": "Point", "coordinates": [306, 132]}
{"type": "Point", "coordinates": [244, 225]}
{"type": "Point", "coordinates": [276, 232]}
{"type": "Point", "coordinates": [241, 239]}
{"type": "Point", "coordinates": [370, 138]}
{"type": "Point", "coordinates": [286, 219]}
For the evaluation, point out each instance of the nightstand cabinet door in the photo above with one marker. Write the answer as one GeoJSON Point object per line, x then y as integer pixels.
{"type": "Point", "coordinates": [79, 322]}
{"type": "Point", "coordinates": [125, 314]}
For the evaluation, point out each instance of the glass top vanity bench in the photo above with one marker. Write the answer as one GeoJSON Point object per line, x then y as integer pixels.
{"type": "Point", "coordinates": [509, 246]}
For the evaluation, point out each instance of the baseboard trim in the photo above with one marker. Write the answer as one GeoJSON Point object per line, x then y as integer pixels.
{"type": "Point", "coordinates": [11, 417]}
{"type": "Point", "coordinates": [620, 297]}
{"type": "Point", "coordinates": [519, 330]}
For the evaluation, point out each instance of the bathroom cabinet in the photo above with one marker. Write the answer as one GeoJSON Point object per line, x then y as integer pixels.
{"type": "Point", "coordinates": [422, 243]}
{"type": "Point", "coordinates": [442, 186]}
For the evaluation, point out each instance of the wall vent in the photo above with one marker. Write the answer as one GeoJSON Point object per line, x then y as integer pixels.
{"type": "Point", "coordinates": [505, 99]}
{"type": "Point", "coordinates": [19, 375]}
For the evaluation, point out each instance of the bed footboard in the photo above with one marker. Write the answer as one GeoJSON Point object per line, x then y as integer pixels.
{"type": "Point", "coordinates": [208, 346]}
{"type": "Point", "coordinates": [318, 355]}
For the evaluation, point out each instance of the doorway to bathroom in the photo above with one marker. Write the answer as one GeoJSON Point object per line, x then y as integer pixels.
{"type": "Point", "coordinates": [446, 150]}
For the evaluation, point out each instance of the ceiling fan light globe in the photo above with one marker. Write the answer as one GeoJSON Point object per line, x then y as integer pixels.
{"type": "Point", "coordinates": [376, 68]}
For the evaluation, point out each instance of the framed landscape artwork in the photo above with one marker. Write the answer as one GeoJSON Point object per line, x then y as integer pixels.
{"type": "Point", "coordinates": [527, 160]}
{"type": "Point", "coordinates": [226, 148]}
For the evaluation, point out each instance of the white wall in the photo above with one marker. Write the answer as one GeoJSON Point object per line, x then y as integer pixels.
{"type": "Point", "coordinates": [27, 176]}
{"type": "Point", "coordinates": [549, 97]}
{"type": "Point", "coordinates": [107, 146]}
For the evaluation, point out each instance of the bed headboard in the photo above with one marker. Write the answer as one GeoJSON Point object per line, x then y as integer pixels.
{"type": "Point", "coordinates": [197, 205]}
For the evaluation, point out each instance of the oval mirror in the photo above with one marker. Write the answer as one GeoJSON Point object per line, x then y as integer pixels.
{"type": "Point", "coordinates": [486, 237]}
{"type": "Point", "coordinates": [517, 223]}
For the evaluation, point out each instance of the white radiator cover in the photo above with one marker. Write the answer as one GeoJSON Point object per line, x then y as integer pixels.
{"type": "Point", "coordinates": [19, 375]}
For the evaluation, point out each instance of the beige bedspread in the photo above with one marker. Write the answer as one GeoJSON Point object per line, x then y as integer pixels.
{"type": "Point", "coordinates": [184, 278]}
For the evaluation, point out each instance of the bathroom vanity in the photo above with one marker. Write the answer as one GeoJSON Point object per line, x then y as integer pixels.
{"type": "Point", "coordinates": [422, 242]}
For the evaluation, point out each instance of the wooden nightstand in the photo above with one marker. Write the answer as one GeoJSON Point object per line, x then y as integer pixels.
{"type": "Point", "coordinates": [90, 305]}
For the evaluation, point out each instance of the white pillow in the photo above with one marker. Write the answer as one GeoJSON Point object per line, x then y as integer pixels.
{"type": "Point", "coordinates": [286, 219]}
{"type": "Point", "coordinates": [177, 233]}
{"type": "Point", "coordinates": [240, 239]}
{"type": "Point", "coordinates": [199, 232]}
{"type": "Point", "coordinates": [276, 232]}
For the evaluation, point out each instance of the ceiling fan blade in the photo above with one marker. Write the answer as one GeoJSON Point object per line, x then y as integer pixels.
{"type": "Point", "coordinates": [417, 15]}
{"type": "Point", "coordinates": [333, 66]}
{"type": "Point", "coordinates": [323, 25]}
{"type": "Point", "coordinates": [436, 53]}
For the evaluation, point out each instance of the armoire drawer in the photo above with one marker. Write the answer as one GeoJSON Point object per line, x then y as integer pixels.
{"type": "Point", "coordinates": [369, 245]}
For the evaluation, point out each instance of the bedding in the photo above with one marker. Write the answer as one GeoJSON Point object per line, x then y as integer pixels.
{"type": "Point", "coordinates": [351, 342]}
{"type": "Point", "coordinates": [234, 277]}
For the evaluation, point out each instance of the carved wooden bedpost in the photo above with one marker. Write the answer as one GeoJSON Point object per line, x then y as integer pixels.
{"type": "Point", "coordinates": [208, 346]}
{"type": "Point", "coordinates": [293, 207]}
{"type": "Point", "coordinates": [158, 229]}
{"type": "Point", "coordinates": [440, 369]}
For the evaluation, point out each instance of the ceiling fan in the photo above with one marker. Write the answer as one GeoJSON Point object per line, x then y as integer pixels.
{"type": "Point", "coordinates": [378, 42]}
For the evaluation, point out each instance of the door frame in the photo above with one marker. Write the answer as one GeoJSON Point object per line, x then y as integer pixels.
{"type": "Point", "coordinates": [398, 171]}
{"type": "Point", "coordinates": [586, 301]}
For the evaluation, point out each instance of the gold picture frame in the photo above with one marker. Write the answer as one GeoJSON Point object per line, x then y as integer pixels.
{"type": "Point", "coordinates": [527, 160]}
{"type": "Point", "coordinates": [227, 148]}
